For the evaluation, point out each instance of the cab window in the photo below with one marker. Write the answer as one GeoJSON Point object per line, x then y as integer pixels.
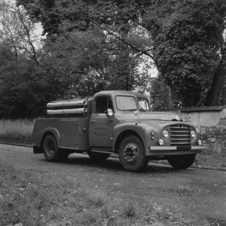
{"type": "Point", "coordinates": [143, 104]}
{"type": "Point", "coordinates": [126, 103]}
{"type": "Point", "coordinates": [102, 104]}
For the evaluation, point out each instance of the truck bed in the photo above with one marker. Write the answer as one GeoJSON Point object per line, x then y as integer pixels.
{"type": "Point", "coordinates": [70, 133]}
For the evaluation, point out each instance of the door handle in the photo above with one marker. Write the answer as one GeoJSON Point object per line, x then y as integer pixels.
{"type": "Point", "coordinates": [93, 121]}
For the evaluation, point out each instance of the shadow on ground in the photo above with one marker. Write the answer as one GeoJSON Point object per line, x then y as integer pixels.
{"type": "Point", "coordinates": [113, 164]}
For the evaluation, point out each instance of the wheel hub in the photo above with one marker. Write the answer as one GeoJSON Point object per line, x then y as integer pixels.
{"type": "Point", "coordinates": [130, 153]}
{"type": "Point", "coordinates": [50, 148]}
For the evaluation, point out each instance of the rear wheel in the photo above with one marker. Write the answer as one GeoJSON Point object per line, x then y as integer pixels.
{"type": "Point", "coordinates": [132, 154]}
{"type": "Point", "coordinates": [96, 156]}
{"type": "Point", "coordinates": [181, 161]}
{"type": "Point", "coordinates": [51, 151]}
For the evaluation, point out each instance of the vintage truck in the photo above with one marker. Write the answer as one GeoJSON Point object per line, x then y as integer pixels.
{"type": "Point", "coordinates": [117, 123]}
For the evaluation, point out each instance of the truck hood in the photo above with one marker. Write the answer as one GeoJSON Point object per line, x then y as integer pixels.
{"type": "Point", "coordinates": [159, 116]}
{"type": "Point", "coordinates": [147, 116]}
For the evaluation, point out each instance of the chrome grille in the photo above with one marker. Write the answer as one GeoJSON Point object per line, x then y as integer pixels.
{"type": "Point", "coordinates": [180, 135]}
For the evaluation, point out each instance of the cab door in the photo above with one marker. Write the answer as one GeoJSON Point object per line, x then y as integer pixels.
{"type": "Point", "coordinates": [101, 126]}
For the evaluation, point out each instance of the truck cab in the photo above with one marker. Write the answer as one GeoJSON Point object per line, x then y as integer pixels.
{"type": "Point", "coordinates": [120, 123]}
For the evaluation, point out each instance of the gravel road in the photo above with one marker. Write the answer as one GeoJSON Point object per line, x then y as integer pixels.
{"type": "Point", "coordinates": [192, 196]}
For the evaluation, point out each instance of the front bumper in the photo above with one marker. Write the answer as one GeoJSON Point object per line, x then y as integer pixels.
{"type": "Point", "coordinates": [173, 150]}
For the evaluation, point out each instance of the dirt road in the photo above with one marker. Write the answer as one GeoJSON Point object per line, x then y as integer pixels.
{"type": "Point", "coordinates": [192, 197]}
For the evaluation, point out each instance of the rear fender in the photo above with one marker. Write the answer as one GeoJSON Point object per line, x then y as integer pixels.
{"type": "Point", "coordinates": [39, 137]}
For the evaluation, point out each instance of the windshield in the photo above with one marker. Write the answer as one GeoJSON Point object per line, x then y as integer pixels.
{"type": "Point", "coordinates": [126, 103]}
{"type": "Point", "coordinates": [143, 104]}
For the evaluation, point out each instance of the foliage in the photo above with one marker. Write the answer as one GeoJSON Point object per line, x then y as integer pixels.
{"type": "Point", "coordinates": [27, 80]}
{"type": "Point", "coordinates": [26, 88]}
{"type": "Point", "coordinates": [187, 40]}
{"type": "Point", "coordinates": [18, 31]}
{"type": "Point", "coordinates": [90, 63]}
{"type": "Point", "coordinates": [94, 45]}
{"type": "Point", "coordinates": [160, 94]}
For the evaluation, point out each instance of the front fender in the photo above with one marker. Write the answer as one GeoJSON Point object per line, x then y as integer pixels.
{"type": "Point", "coordinates": [143, 131]}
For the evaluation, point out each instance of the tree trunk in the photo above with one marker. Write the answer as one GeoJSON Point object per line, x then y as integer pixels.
{"type": "Point", "coordinates": [223, 98]}
{"type": "Point", "coordinates": [167, 97]}
{"type": "Point", "coordinates": [213, 96]}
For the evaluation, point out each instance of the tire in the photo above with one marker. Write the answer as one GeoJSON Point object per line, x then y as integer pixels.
{"type": "Point", "coordinates": [132, 154]}
{"type": "Point", "coordinates": [181, 161]}
{"type": "Point", "coordinates": [96, 156]}
{"type": "Point", "coordinates": [51, 151]}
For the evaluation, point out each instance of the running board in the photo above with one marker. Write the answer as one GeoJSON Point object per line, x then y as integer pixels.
{"type": "Point", "coordinates": [101, 151]}
{"type": "Point", "coordinates": [105, 152]}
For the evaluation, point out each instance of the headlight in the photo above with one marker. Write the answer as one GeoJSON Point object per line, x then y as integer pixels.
{"type": "Point", "coordinates": [165, 133]}
{"type": "Point", "coordinates": [193, 134]}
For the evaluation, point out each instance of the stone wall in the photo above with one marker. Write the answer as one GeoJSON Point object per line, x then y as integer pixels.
{"type": "Point", "coordinates": [212, 121]}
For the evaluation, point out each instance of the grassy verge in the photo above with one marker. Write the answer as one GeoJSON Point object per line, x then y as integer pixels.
{"type": "Point", "coordinates": [211, 159]}
{"type": "Point", "coordinates": [33, 199]}
{"type": "Point", "coordinates": [17, 131]}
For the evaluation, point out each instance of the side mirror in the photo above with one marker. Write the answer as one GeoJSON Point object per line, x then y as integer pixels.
{"type": "Point", "coordinates": [109, 112]}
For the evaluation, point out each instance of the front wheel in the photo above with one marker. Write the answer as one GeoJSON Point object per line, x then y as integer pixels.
{"type": "Point", "coordinates": [181, 161]}
{"type": "Point", "coordinates": [132, 154]}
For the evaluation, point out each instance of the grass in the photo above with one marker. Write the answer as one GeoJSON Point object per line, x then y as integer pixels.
{"type": "Point", "coordinates": [16, 130]}
{"type": "Point", "coordinates": [33, 199]}
{"type": "Point", "coordinates": [19, 131]}
{"type": "Point", "coordinates": [211, 159]}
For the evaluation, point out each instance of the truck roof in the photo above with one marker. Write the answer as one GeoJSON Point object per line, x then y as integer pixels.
{"type": "Point", "coordinates": [121, 92]}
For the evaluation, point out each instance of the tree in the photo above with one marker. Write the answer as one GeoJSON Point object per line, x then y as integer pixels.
{"type": "Point", "coordinates": [93, 44]}
{"type": "Point", "coordinates": [18, 31]}
{"type": "Point", "coordinates": [184, 38]}
{"type": "Point", "coordinates": [217, 88]}
{"type": "Point", "coordinates": [27, 80]}
{"type": "Point", "coordinates": [25, 87]}
{"type": "Point", "coordinates": [188, 48]}
{"type": "Point", "coordinates": [160, 94]}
